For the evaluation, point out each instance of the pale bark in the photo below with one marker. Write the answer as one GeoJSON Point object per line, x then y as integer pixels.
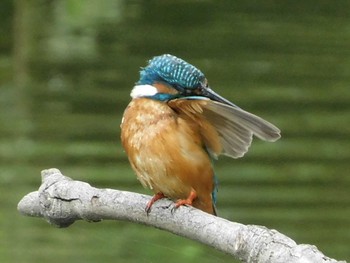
{"type": "Point", "coordinates": [62, 201]}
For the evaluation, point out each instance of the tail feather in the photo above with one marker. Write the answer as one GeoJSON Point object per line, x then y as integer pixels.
{"type": "Point", "coordinates": [208, 207]}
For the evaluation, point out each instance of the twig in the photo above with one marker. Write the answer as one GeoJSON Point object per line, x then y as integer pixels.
{"type": "Point", "coordinates": [62, 201]}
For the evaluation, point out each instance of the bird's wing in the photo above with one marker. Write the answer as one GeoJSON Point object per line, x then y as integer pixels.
{"type": "Point", "coordinates": [234, 126]}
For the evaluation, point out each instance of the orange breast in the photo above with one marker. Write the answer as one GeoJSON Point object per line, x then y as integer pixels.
{"type": "Point", "coordinates": [166, 150]}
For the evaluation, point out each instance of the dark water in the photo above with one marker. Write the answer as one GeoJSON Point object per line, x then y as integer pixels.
{"type": "Point", "coordinates": [66, 71]}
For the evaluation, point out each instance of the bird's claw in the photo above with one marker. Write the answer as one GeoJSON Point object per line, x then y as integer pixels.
{"type": "Point", "coordinates": [156, 197]}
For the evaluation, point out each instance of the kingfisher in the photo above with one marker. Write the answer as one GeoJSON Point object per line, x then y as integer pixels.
{"type": "Point", "coordinates": [176, 125]}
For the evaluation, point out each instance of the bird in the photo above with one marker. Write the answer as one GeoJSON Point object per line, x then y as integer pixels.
{"type": "Point", "coordinates": [175, 126]}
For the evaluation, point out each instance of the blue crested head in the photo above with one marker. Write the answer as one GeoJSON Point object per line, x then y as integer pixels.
{"type": "Point", "coordinates": [173, 71]}
{"type": "Point", "coordinates": [188, 80]}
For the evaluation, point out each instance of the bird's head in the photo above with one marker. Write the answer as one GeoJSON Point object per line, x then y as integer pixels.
{"type": "Point", "coordinates": [181, 78]}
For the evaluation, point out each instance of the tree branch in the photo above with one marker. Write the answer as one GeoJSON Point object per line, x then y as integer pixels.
{"type": "Point", "coordinates": [62, 201]}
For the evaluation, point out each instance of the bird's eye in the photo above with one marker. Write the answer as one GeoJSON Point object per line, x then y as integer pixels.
{"type": "Point", "coordinates": [198, 91]}
{"type": "Point", "coordinates": [184, 91]}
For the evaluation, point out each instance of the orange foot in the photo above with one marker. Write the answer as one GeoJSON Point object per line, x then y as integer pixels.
{"type": "Point", "coordinates": [188, 201]}
{"type": "Point", "coordinates": [156, 197]}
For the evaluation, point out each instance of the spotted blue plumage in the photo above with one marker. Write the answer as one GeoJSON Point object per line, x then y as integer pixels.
{"type": "Point", "coordinates": [171, 70]}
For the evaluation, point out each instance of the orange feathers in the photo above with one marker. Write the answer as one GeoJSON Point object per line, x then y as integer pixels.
{"type": "Point", "coordinates": [167, 151]}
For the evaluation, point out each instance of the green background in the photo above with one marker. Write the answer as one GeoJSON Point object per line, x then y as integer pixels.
{"type": "Point", "coordinates": [66, 71]}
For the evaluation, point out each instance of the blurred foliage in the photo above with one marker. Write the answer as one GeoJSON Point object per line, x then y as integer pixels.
{"type": "Point", "coordinates": [67, 68]}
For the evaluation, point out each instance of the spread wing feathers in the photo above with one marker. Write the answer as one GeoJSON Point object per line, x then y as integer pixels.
{"type": "Point", "coordinates": [264, 130]}
{"type": "Point", "coordinates": [234, 126]}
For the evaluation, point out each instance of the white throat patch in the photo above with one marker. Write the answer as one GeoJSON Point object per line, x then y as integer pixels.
{"type": "Point", "coordinates": [143, 90]}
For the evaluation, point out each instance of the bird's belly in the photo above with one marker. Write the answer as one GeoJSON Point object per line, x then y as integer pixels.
{"type": "Point", "coordinates": [158, 179]}
{"type": "Point", "coordinates": [164, 150]}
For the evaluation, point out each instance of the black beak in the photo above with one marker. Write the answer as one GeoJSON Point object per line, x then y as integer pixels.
{"type": "Point", "coordinates": [209, 93]}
